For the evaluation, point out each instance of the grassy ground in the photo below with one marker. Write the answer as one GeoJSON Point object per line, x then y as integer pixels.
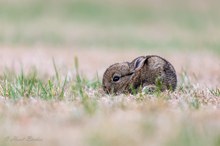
{"type": "Point", "coordinates": [175, 25]}
{"type": "Point", "coordinates": [53, 55]}
{"type": "Point", "coordinates": [63, 104]}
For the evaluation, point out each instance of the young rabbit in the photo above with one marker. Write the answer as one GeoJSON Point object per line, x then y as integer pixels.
{"type": "Point", "coordinates": [145, 72]}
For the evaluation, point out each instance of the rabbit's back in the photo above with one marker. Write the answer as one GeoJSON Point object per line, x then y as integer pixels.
{"type": "Point", "coordinates": [157, 69]}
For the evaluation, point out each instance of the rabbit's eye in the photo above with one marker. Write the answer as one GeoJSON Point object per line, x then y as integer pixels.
{"type": "Point", "coordinates": [116, 78]}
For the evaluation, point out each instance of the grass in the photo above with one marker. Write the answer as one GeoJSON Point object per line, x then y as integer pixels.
{"type": "Point", "coordinates": [180, 26]}
{"type": "Point", "coordinates": [57, 87]}
{"type": "Point", "coordinates": [215, 92]}
{"type": "Point", "coordinates": [191, 136]}
{"type": "Point", "coordinates": [15, 86]}
{"type": "Point", "coordinates": [162, 118]}
{"type": "Point", "coordinates": [30, 85]}
{"type": "Point", "coordinates": [18, 86]}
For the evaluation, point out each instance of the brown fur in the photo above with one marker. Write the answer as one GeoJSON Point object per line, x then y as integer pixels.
{"type": "Point", "coordinates": [144, 71]}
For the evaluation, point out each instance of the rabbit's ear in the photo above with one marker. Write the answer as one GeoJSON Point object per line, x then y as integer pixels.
{"type": "Point", "coordinates": [139, 62]}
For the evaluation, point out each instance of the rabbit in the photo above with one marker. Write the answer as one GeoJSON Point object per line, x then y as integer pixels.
{"type": "Point", "coordinates": [149, 73]}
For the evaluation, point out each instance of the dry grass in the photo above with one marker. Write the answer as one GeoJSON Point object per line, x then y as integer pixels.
{"type": "Point", "coordinates": [188, 116]}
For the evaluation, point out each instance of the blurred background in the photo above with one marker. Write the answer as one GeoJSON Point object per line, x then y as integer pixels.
{"type": "Point", "coordinates": [111, 24]}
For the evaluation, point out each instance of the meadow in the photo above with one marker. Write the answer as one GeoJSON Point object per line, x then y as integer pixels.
{"type": "Point", "coordinates": [53, 55]}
